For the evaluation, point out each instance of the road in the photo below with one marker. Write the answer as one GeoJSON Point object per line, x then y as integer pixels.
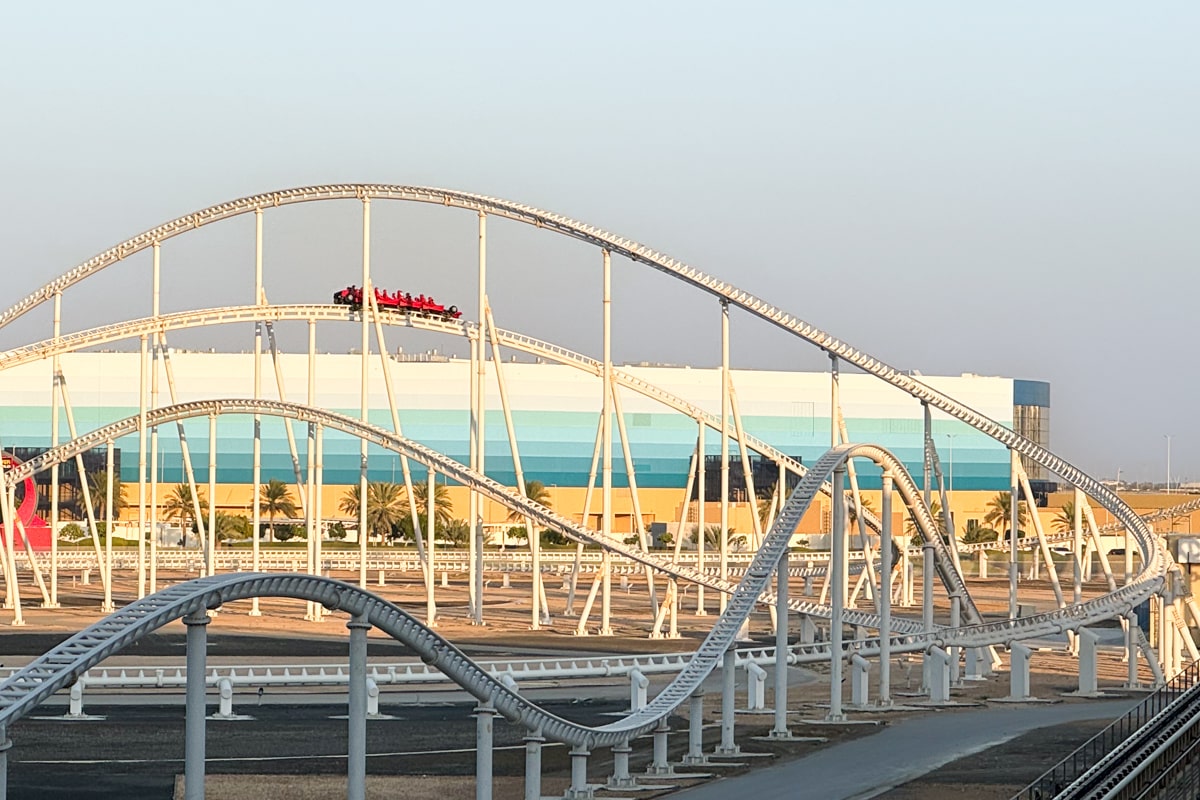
{"type": "Point", "coordinates": [904, 750]}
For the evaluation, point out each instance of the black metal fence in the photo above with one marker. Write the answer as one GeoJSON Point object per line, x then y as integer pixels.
{"type": "Point", "coordinates": [1063, 774]}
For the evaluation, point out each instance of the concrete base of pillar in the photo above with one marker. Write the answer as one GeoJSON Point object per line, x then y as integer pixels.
{"type": "Point", "coordinates": [790, 738]}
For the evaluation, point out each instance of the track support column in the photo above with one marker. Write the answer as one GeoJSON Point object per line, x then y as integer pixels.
{"type": "Point", "coordinates": [885, 594]}
{"type": "Point", "coordinates": [533, 765]}
{"type": "Point", "coordinates": [780, 731]}
{"type": "Point", "coordinates": [728, 747]}
{"type": "Point", "coordinates": [356, 760]}
{"type": "Point", "coordinates": [197, 651]}
{"type": "Point", "coordinates": [485, 714]}
{"type": "Point", "coordinates": [837, 540]}
{"type": "Point", "coordinates": [5, 746]}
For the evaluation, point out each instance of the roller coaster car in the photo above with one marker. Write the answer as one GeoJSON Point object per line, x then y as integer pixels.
{"type": "Point", "coordinates": [402, 302]}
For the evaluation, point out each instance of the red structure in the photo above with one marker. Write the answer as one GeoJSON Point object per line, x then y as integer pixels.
{"type": "Point", "coordinates": [35, 528]}
{"type": "Point", "coordinates": [403, 302]}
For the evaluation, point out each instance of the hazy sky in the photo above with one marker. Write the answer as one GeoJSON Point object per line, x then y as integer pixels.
{"type": "Point", "coordinates": [1011, 189]}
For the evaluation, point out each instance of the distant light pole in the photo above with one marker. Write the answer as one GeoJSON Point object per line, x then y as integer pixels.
{"type": "Point", "coordinates": [951, 436]}
{"type": "Point", "coordinates": [1167, 436]}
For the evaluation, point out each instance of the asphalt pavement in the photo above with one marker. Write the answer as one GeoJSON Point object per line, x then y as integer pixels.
{"type": "Point", "coordinates": [900, 752]}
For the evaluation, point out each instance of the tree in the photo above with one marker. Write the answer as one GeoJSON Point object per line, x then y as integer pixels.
{"type": "Point", "coordinates": [537, 492]}
{"type": "Point", "coordinates": [286, 532]}
{"type": "Point", "coordinates": [98, 487]}
{"type": "Point", "coordinates": [387, 505]}
{"type": "Point", "coordinates": [999, 516]}
{"type": "Point", "coordinates": [712, 538]}
{"type": "Point", "coordinates": [336, 531]}
{"type": "Point", "coordinates": [977, 534]}
{"type": "Point", "coordinates": [865, 502]}
{"type": "Point", "coordinates": [232, 527]}
{"type": "Point", "coordinates": [1065, 519]}
{"type": "Point", "coordinates": [274, 498]}
{"type": "Point", "coordinates": [180, 506]}
{"type": "Point", "coordinates": [442, 506]}
{"type": "Point", "coordinates": [457, 532]}
{"type": "Point", "coordinates": [915, 538]}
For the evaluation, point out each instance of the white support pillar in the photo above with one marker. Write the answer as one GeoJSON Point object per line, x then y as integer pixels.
{"type": "Point", "coordinates": [658, 763]}
{"type": "Point", "coordinates": [1014, 497]}
{"type": "Point", "coordinates": [533, 765]}
{"type": "Point", "coordinates": [780, 731]}
{"type": "Point", "coordinates": [480, 429]}
{"type": "Point", "coordinates": [143, 369]}
{"type": "Point", "coordinates": [364, 391]}
{"type": "Point", "coordinates": [606, 448]}
{"type": "Point", "coordinates": [837, 562]}
{"type": "Point", "coordinates": [197, 645]}
{"type": "Point", "coordinates": [485, 715]}
{"type": "Point", "coordinates": [621, 779]}
{"type": "Point", "coordinates": [108, 606]}
{"type": "Point", "coordinates": [5, 745]}
{"type": "Point", "coordinates": [1019, 671]}
{"type": "Point", "coordinates": [1088, 685]}
{"type": "Point", "coordinates": [937, 664]}
{"type": "Point", "coordinates": [1077, 548]}
{"type": "Point", "coordinates": [318, 508]}
{"type": "Point", "coordinates": [724, 541]}
{"type": "Point", "coordinates": [54, 378]}
{"type": "Point", "coordinates": [430, 516]}
{"type": "Point", "coordinates": [356, 760]}
{"type": "Point", "coordinates": [210, 552]}
{"type": "Point", "coordinates": [927, 581]}
{"type": "Point", "coordinates": [885, 594]}
{"type": "Point", "coordinates": [579, 789]}
{"type": "Point", "coordinates": [728, 746]}
{"type": "Point", "coordinates": [702, 499]}
{"type": "Point", "coordinates": [638, 684]}
{"type": "Point", "coordinates": [860, 672]}
{"type": "Point", "coordinates": [256, 511]}
{"type": "Point", "coordinates": [695, 754]}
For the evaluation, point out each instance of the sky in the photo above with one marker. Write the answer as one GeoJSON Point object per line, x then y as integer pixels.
{"type": "Point", "coordinates": [1003, 189]}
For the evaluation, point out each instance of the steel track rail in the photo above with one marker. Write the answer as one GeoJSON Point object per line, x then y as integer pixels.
{"type": "Point", "coordinates": [71, 342]}
{"type": "Point", "coordinates": [494, 490]}
{"type": "Point", "coordinates": [1143, 585]}
{"type": "Point", "coordinates": [1154, 554]}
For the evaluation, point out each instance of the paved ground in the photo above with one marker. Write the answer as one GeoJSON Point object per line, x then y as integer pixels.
{"type": "Point", "coordinates": [53, 758]}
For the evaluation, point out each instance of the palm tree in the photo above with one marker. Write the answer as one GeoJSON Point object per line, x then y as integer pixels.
{"type": "Point", "coordinates": [232, 527]}
{"type": "Point", "coordinates": [180, 506]}
{"type": "Point", "coordinates": [914, 533]}
{"type": "Point", "coordinates": [866, 504]}
{"type": "Point", "coordinates": [1065, 519]}
{"type": "Point", "coordinates": [275, 497]}
{"type": "Point", "coordinates": [536, 491]}
{"type": "Point", "coordinates": [98, 487]}
{"type": "Point", "coordinates": [442, 506]}
{"type": "Point", "coordinates": [999, 513]}
{"type": "Point", "coordinates": [387, 505]}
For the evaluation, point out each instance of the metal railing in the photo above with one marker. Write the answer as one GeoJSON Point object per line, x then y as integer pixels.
{"type": "Point", "coordinates": [1087, 757]}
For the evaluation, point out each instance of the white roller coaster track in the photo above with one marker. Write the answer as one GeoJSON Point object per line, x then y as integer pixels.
{"type": "Point", "coordinates": [494, 490]}
{"type": "Point", "coordinates": [622, 246]}
{"type": "Point", "coordinates": [56, 669]}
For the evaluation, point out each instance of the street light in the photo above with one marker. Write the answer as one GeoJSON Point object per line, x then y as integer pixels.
{"type": "Point", "coordinates": [951, 436]}
{"type": "Point", "coordinates": [1167, 436]}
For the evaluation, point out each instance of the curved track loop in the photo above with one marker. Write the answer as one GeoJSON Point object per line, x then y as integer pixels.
{"type": "Point", "coordinates": [492, 489]}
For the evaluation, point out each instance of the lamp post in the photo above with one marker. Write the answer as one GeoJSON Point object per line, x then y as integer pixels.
{"type": "Point", "coordinates": [950, 487]}
{"type": "Point", "coordinates": [1167, 436]}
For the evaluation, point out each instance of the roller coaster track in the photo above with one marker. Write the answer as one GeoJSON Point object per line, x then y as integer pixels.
{"type": "Point", "coordinates": [1145, 583]}
{"type": "Point", "coordinates": [1153, 553]}
{"type": "Point", "coordinates": [56, 669]}
{"type": "Point", "coordinates": [494, 490]}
